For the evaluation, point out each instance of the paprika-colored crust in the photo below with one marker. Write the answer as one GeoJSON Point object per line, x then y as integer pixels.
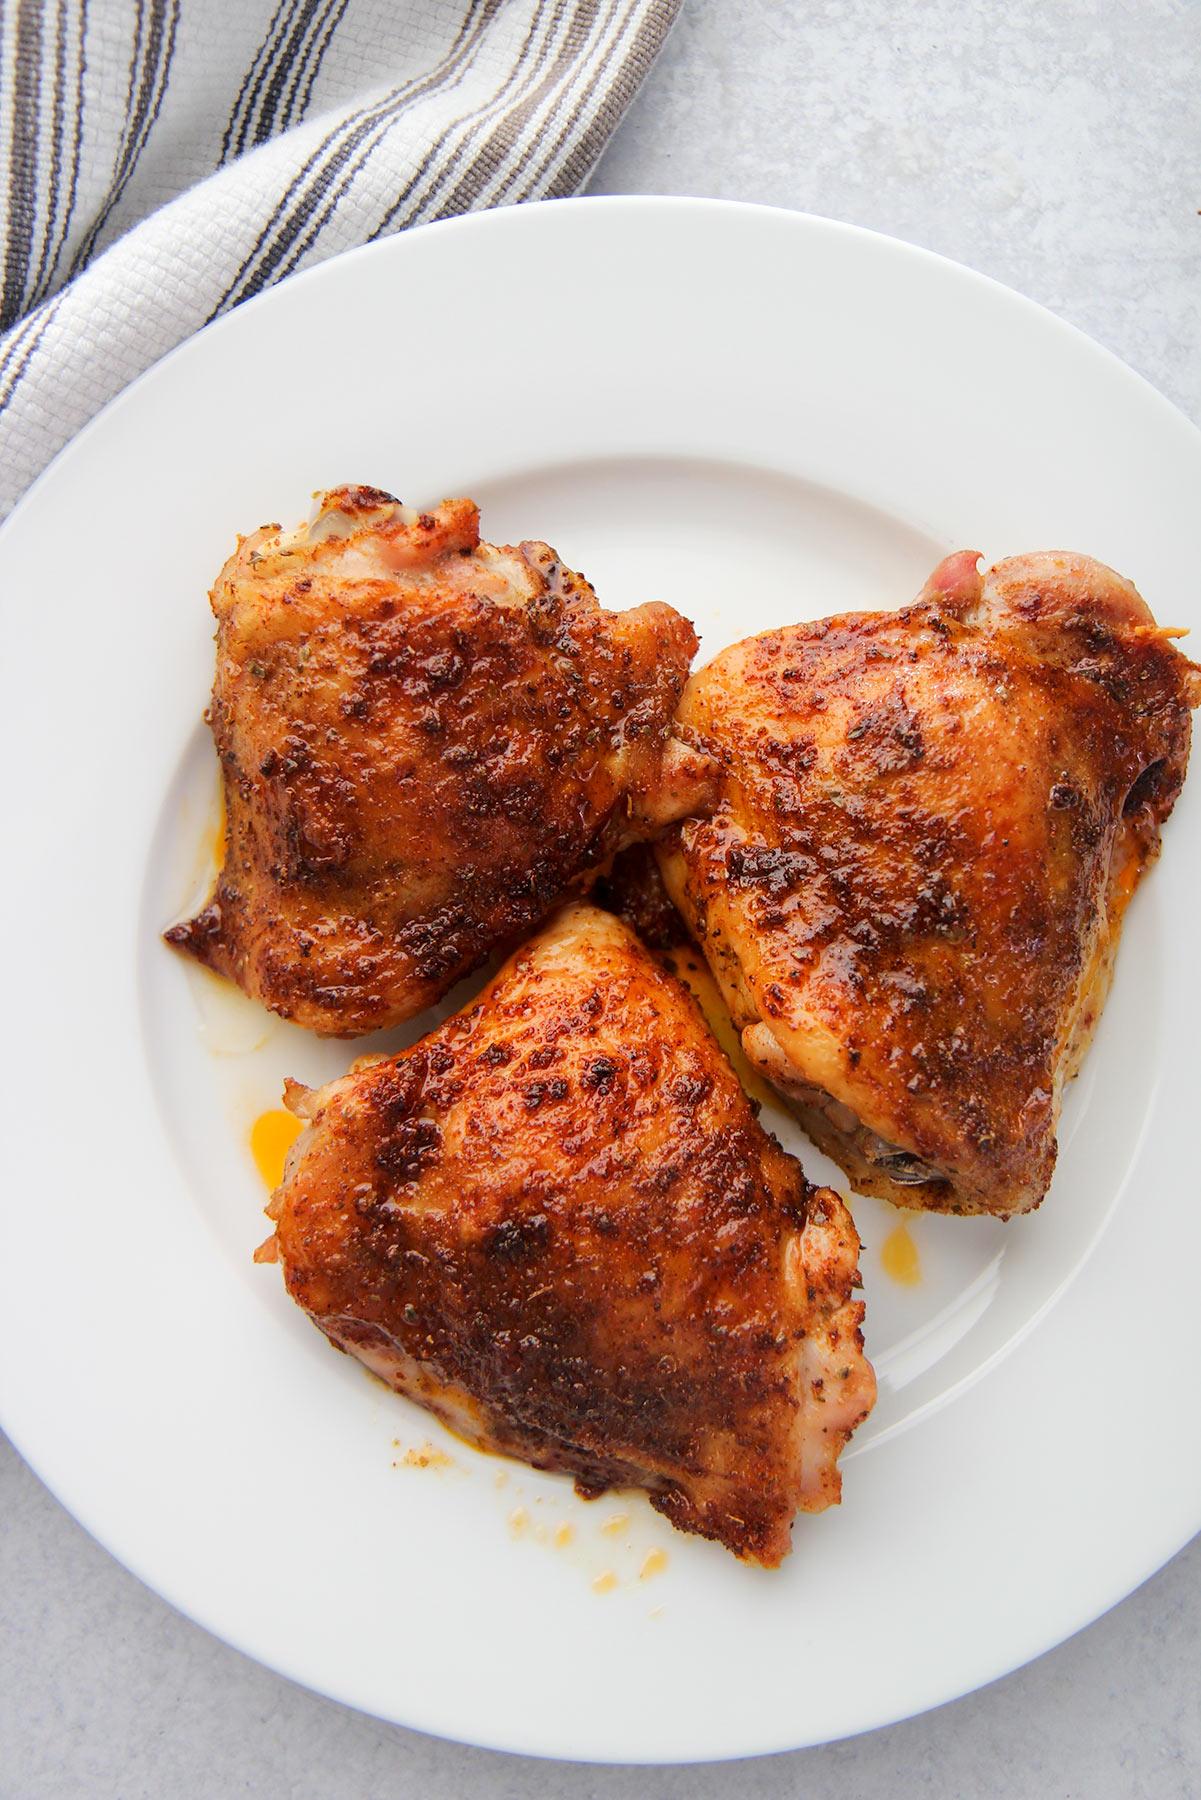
{"type": "Point", "coordinates": [912, 887]}
{"type": "Point", "coordinates": [556, 1222]}
{"type": "Point", "coordinates": [425, 741]}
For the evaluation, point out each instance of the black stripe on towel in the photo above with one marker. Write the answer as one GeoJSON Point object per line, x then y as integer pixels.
{"type": "Point", "coordinates": [522, 73]}
{"type": "Point", "coordinates": [296, 206]}
{"type": "Point", "coordinates": [23, 161]}
{"type": "Point", "coordinates": [154, 47]}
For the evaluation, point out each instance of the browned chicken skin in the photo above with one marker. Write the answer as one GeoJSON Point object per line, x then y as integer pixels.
{"type": "Point", "coordinates": [912, 889]}
{"type": "Point", "coordinates": [425, 740]}
{"type": "Point", "coordinates": [556, 1223]}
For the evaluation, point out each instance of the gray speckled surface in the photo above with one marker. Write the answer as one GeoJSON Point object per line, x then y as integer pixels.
{"type": "Point", "coordinates": [1057, 147]}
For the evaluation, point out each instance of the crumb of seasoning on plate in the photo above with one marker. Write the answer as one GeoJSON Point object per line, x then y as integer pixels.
{"type": "Point", "coordinates": [502, 1479]}
{"type": "Point", "coordinates": [426, 1456]}
{"type": "Point", "coordinates": [271, 1137]}
{"type": "Point", "coordinates": [604, 1584]}
{"type": "Point", "coordinates": [564, 1534]}
{"type": "Point", "coordinates": [615, 1523]}
{"type": "Point", "coordinates": [653, 1563]}
{"type": "Point", "coordinates": [898, 1254]}
{"type": "Point", "coordinates": [519, 1518]}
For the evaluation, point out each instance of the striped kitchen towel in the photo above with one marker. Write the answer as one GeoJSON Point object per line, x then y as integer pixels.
{"type": "Point", "coordinates": [161, 160]}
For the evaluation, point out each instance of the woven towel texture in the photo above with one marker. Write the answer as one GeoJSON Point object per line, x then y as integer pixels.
{"type": "Point", "coordinates": [162, 160]}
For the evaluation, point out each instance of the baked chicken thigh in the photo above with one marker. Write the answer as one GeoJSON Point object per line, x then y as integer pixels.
{"type": "Point", "coordinates": [425, 740]}
{"type": "Point", "coordinates": [556, 1223]}
{"type": "Point", "coordinates": [912, 889]}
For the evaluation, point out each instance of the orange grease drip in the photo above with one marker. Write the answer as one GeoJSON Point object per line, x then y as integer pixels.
{"type": "Point", "coordinates": [218, 835]}
{"type": "Point", "coordinates": [690, 968]}
{"type": "Point", "coordinates": [1131, 874]}
{"type": "Point", "coordinates": [898, 1253]}
{"type": "Point", "coordinates": [271, 1137]}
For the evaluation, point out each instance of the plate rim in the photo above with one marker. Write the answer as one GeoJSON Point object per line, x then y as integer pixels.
{"type": "Point", "coordinates": [608, 203]}
{"type": "Point", "coordinates": [493, 221]}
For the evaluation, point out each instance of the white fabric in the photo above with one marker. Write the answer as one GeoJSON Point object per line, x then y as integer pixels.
{"type": "Point", "coordinates": [162, 160]}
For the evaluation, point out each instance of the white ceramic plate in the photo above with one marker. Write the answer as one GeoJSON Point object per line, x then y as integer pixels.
{"type": "Point", "coordinates": [759, 417]}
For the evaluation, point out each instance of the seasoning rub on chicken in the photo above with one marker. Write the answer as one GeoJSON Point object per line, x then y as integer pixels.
{"type": "Point", "coordinates": [425, 740]}
{"type": "Point", "coordinates": [930, 824]}
{"type": "Point", "coordinates": [556, 1223]}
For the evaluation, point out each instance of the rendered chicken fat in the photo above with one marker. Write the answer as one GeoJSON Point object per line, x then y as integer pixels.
{"type": "Point", "coordinates": [556, 1223]}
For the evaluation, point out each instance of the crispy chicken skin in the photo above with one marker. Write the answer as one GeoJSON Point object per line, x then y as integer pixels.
{"type": "Point", "coordinates": [913, 886]}
{"type": "Point", "coordinates": [556, 1223]}
{"type": "Point", "coordinates": [425, 740]}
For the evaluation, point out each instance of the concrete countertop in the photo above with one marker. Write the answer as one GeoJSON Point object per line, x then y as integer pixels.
{"type": "Point", "coordinates": [1056, 147]}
